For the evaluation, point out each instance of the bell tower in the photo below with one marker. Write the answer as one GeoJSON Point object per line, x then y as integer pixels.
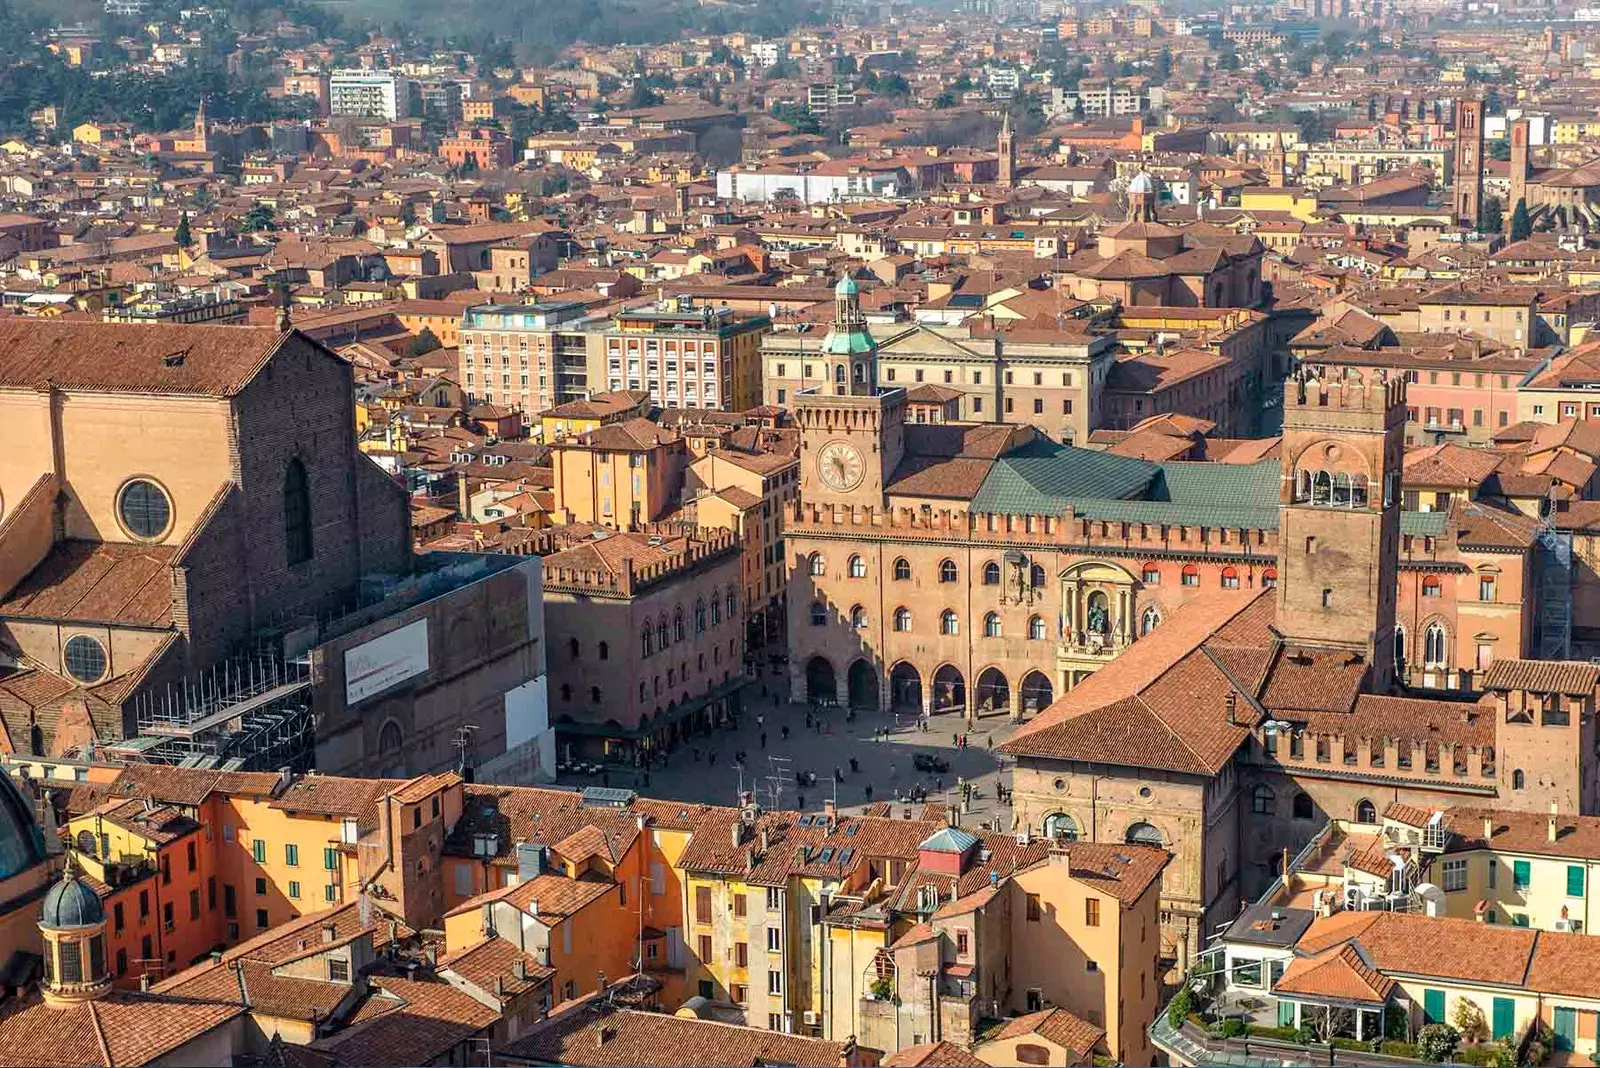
{"type": "Point", "coordinates": [1339, 516]}
{"type": "Point", "coordinates": [852, 434]}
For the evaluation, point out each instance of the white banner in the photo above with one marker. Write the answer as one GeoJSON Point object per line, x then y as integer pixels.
{"type": "Point", "coordinates": [374, 666]}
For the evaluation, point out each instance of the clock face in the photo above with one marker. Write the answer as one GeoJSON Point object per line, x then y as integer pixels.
{"type": "Point", "coordinates": [840, 466]}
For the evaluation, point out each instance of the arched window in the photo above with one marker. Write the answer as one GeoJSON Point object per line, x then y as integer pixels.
{"type": "Point", "coordinates": [1431, 587]}
{"type": "Point", "coordinates": [1302, 486]}
{"type": "Point", "coordinates": [605, 650]}
{"type": "Point", "coordinates": [566, 691]}
{"type": "Point", "coordinates": [991, 574]}
{"type": "Point", "coordinates": [1144, 834]}
{"type": "Point", "coordinates": [819, 614]}
{"type": "Point", "coordinates": [732, 601]}
{"type": "Point", "coordinates": [1358, 491]}
{"type": "Point", "coordinates": [716, 611]}
{"type": "Point", "coordinates": [1321, 487]}
{"type": "Point", "coordinates": [1399, 645]}
{"type": "Point", "coordinates": [1151, 576]}
{"type": "Point", "coordinates": [947, 571]}
{"type": "Point", "coordinates": [296, 512]}
{"type": "Point", "coordinates": [991, 625]}
{"type": "Point", "coordinates": [838, 374]}
{"type": "Point", "coordinates": [575, 648]}
{"type": "Point", "coordinates": [594, 694]}
{"type": "Point", "coordinates": [858, 567]}
{"type": "Point", "coordinates": [1366, 812]}
{"type": "Point", "coordinates": [1036, 577]}
{"type": "Point", "coordinates": [677, 624]}
{"type": "Point", "coordinates": [1434, 653]}
{"type": "Point", "coordinates": [817, 565]}
{"type": "Point", "coordinates": [1036, 629]}
{"type": "Point", "coordinates": [661, 632]}
{"type": "Point", "coordinates": [699, 617]}
{"type": "Point", "coordinates": [902, 569]}
{"type": "Point", "coordinates": [949, 622]}
{"type": "Point", "coordinates": [902, 619]}
{"type": "Point", "coordinates": [1061, 827]}
{"type": "Point", "coordinates": [1302, 806]}
{"type": "Point", "coordinates": [1517, 780]}
{"type": "Point", "coordinates": [1191, 575]}
{"type": "Point", "coordinates": [1263, 802]}
{"type": "Point", "coordinates": [1269, 579]}
{"type": "Point", "coordinates": [646, 642]}
{"type": "Point", "coordinates": [1149, 620]}
{"type": "Point", "coordinates": [1341, 490]}
{"type": "Point", "coordinates": [1230, 578]}
{"type": "Point", "coordinates": [858, 618]}
{"type": "Point", "coordinates": [389, 739]}
{"type": "Point", "coordinates": [86, 843]}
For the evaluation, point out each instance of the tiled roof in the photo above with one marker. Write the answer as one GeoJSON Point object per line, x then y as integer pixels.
{"type": "Point", "coordinates": [92, 581]}
{"type": "Point", "coordinates": [428, 1021]}
{"type": "Point", "coordinates": [215, 361]}
{"type": "Point", "coordinates": [932, 1055]}
{"type": "Point", "coordinates": [1543, 676]}
{"type": "Point", "coordinates": [1399, 943]}
{"type": "Point", "coordinates": [494, 958]}
{"type": "Point", "coordinates": [1523, 832]}
{"type": "Point", "coordinates": [1055, 1025]}
{"type": "Point", "coordinates": [118, 1028]}
{"type": "Point", "coordinates": [586, 1034]}
{"type": "Point", "coordinates": [1335, 973]}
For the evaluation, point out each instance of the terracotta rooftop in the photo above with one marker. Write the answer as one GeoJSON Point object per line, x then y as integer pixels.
{"type": "Point", "coordinates": [215, 361]}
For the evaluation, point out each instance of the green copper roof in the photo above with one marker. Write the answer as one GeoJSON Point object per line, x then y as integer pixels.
{"type": "Point", "coordinates": [1049, 479]}
{"type": "Point", "coordinates": [845, 342]}
{"type": "Point", "coordinates": [1428, 524]}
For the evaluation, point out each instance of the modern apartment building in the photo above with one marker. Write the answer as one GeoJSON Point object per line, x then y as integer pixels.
{"type": "Point", "coordinates": [369, 94]}
{"type": "Point", "coordinates": [688, 356]}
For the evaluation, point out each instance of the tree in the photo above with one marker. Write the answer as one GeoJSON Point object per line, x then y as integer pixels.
{"type": "Point", "coordinates": [260, 217]}
{"type": "Point", "coordinates": [1468, 1020]}
{"type": "Point", "coordinates": [424, 343]}
{"type": "Point", "coordinates": [643, 96]}
{"type": "Point", "coordinates": [1493, 220]}
{"type": "Point", "coordinates": [1332, 1022]}
{"type": "Point", "coordinates": [1164, 64]}
{"type": "Point", "coordinates": [183, 237]}
{"type": "Point", "coordinates": [1500, 149]}
{"type": "Point", "coordinates": [1521, 227]}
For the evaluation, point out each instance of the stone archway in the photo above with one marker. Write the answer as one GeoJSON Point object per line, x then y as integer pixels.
{"type": "Point", "coordinates": [1036, 692]}
{"type": "Point", "coordinates": [994, 692]}
{"type": "Point", "coordinates": [861, 685]}
{"type": "Point", "coordinates": [949, 690]}
{"type": "Point", "coordinates": [821, 683]}
{"type": "Point", "coordinates": [905, 687]}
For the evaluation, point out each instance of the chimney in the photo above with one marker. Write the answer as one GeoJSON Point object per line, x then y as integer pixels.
{"type": "Point", "coordinates": [285, 778]}
{"type": "Point", "coordinates": [738, 833]}
{"type": "Point", "coordinates": [499, 986]}
{"type": "Point", "coordinates": [519, 969]}
{"type": "Point", "coordinates": [283, 324]}
{"type": "Point", "coordinates": [847, 1055]}
{"type": "Point", "coordinates": [1552, 825]}
{"type": "Point", "coordinates": [1229, 702]}
{"type": "Point", "coordinates": [144, 983]}
{"type": "Point", "coordinates": [830, 809]}
{"type": "Point", "coordinates": [766, 840]}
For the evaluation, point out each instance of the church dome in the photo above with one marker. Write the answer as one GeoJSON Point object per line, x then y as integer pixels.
{"type": "Point", "coordinates": [846, 288]}
{"type": "Point", "coordinates": [71, 903]}
{"type": "Point", "coordinates": [1143, 182]}
{"type": "Point", "coordinates": [21, 843]}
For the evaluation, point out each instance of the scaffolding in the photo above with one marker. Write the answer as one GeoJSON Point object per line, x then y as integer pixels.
{"type": "Point", "coordinates": [1555, 591]}
{"type": "Point", "coordinates": [249, 714]}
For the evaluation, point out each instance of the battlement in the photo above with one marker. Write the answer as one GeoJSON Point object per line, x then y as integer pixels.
{"type": "Point", "coordinates": [703, 545]}
{"type": "Point", "coordinates": [910, 524]}
{"type": "Point", "coordinates": [1469, 765]}
{"type": "Point", "coordinates": [1347, 390]}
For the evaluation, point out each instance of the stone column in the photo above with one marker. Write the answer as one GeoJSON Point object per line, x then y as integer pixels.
{"type": "Point", "coordinates": [1016, 703]}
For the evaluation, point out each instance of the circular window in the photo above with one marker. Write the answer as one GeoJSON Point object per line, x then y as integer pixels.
{"type": "Point", "coordinates": [1060, 784]}
{"type": "Point", "coordinates": [1144, 791]}
{"type": "Point", "coordinates": [144, 509]}
{"type": "Point", "coordinates": [86, 659]}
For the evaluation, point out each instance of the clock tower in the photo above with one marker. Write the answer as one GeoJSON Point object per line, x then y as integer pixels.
{"type": "Point", "coordinates": [852, 434]}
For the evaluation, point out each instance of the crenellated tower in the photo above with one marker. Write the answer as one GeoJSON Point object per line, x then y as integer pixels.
{"type": "Point", "coordinates": [1339, 515]}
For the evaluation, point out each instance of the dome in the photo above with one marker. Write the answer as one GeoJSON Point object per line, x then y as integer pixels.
{"type": "Point", "coordinates": [71, 902]}
{"type": "Point", "coordinates": [1143, 182]}
{"type": "Point", "coordinates": [21, 843]}
{"type": "Point", "coordinates": [846, 288]}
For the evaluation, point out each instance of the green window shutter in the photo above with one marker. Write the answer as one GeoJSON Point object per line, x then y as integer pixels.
{"type": "Point", "coordinates": [1521, 874]}
{"type": "Point", "coordinates": [1433, 1006]}
{"type": "Point", "coordinates": [330, 858]}
{"type": "Point", "coordinates": [258, 849]}
{"type": "Point", "coordinates": [1505, 1018]}
{"type": "Point", "coordinates": [1574, 880]}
